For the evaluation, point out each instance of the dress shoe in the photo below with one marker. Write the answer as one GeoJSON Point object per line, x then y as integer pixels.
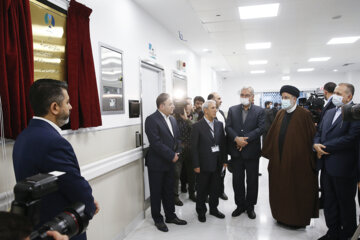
{"type": "Point", "coordinates": [327, 237]}
{"type": "Point", "coordinates": [192, 197]}
{"type": "Point", "coordinates": [217, 214]}
{"type": "Point", "coordinates": [237, 212]}
{"type": "Point", "coordinates": [224, 196]}
{"type": "Point", "coordinates": [202, 218]}
{"type": "Point", "coordinates": [176, 221]}
{"type": "Point", "coordinates": [178, 202]}
{"type": "Point", "coordinates": [260, 174]}
{"type": "Point", "coordinates": [251, 214]}
{"type": "Point", "coordinates": [161, 226]}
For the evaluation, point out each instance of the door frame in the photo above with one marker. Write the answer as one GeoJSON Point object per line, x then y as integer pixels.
{"type": "Point", "coordinates": [162, 85]}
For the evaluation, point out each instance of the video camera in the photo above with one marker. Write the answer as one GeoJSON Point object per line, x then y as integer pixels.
{"type": "Point", "coordinates": [351, 112]}
{"type": "Point", "coordinates": [314, 104]}
{"type": "Point", "coordinates": [28, 193]}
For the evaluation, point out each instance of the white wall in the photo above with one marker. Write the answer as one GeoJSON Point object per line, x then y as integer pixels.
{"type": "Point", "coordinates": [354, 78]}
{"type": "Point", "coordinates": [125, 26]}
{"type": "Point", "coordinates": [304, 81]}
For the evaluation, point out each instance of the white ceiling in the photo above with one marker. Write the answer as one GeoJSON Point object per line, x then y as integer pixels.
{"type": "Point", "coordinates": [299, 32]}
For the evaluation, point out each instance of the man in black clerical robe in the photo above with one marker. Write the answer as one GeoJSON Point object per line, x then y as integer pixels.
{"type": "Point", "coordinates": [293, 189]}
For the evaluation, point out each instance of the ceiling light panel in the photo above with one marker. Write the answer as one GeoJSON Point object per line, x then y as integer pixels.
{"type": "Point", "coordinates": [259, 11]}
{"type": "Point", "coordinates": [257, 71]}
{"type": "Point", "coordinates": [261, 45]}
{"type": "Point", "coordinates": [343, 40]}
{"type": "Point", "coordinates": [305, 69]}
{"type": "Point", "coordinates": [319, 59]}
{"type": "Point", "coordinates": [258, 62]}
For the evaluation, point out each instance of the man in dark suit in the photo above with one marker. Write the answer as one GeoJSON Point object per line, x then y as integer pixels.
{"type": "Point", "coordinates": [40, 148]}
{"type": "Point", "coordinates": [209, 158]}
{"type": "Point", "coordinates": [244, 127]}
{"type": "Point", "coordinates": [165, 146]}
{"type": "Point", "coordinates": [328, 93]}
{"type": "Point", "coordinates": [220, 116]}
{"type": "Point", "coordinates": [336, 145]}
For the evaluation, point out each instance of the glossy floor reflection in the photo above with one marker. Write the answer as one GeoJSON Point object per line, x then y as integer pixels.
{"type": "Point", "coordinates": [264, 227]}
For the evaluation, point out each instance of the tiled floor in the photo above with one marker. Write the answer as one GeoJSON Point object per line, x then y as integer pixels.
{"type": "Point", "coordinates": [264, 227]}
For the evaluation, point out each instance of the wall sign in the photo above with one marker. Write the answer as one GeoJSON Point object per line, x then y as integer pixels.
{"type": "Point", "coordinates": [49, 39]}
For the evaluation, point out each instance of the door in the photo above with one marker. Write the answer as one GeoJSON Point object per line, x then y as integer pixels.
{"type": "Point", "coordinates": [152, 84]}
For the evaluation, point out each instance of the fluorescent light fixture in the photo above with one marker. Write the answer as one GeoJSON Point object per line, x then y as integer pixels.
{"type": "Point", "coordinates": [206, 50]}
{"type": "Point", "coordinates": [335, 70]}
{"type": "Point", "coordinates": [257, 71]}
{"type": "Point", "coordinates": [261, 45]}
{"type": "Point", "coordinates": [223, 70]}
{"type": "Point", "coordinates": [343, 40]}
{"type": "Point", "coordinates": [258, 62]}
{"type": "Point", "coordinates": [259, 11]}
{"type": "Point", "coordinates": [285, 78]}
{"type": "Point", "coordinates": [305, 69]}
{"type": "Point", "coordinates": [319, 59]}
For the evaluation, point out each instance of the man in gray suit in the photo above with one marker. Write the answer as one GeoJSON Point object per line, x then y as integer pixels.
{"type": "Point", "coordinates": [244, 127]}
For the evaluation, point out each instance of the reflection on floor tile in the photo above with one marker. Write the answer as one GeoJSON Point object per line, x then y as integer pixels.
{"type": "Point", "coordinates": [264, 227]}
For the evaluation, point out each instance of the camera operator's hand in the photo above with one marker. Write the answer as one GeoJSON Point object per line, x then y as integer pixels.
{"type": "Point", "coordinates": [97, 206]}
{"type": "Point", "coordinates": [56, 235]}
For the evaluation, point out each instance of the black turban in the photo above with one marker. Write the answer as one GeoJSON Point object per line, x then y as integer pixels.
{"type": "Point", "coordinates": [290, 89]}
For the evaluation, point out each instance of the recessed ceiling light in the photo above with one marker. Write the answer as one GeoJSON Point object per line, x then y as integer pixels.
{"type": "Point", "coordinates": [286, 78]}
{"type": "Point", "coordinates": [305, 69]}
{"type": "Point", "coordinates": [343, 40]}
{"type": "Point", "coordinates": [223, 69]}
{"type": "Point", "coordinates": [319, 59]}
{"type": "Point", "coordinates": [206, 50]}
{"type": "Point", "coordinates": [258, 62]}
{"type": "Point", "coordinates": [335, 70]}
{"type": "Point", "coordinates": [259, 11]}
{"type": "Point", "coordinates": [257, 71]}
{"type": "Point", "coordinates": [261, 45]}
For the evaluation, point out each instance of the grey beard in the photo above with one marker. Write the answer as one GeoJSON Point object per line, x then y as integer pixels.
{"type": "Point", "coordinates": [62, 122]}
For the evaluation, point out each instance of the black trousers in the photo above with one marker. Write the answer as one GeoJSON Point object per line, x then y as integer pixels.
{"type": "Point", "coordinates": [208, 183]}
{"type": "Point", "coordinates": [339, 205]}
{"type": "Point", "coordinates": [162, 191]}
{"type": "Point", "coordinates": [245, 199]}
{"type": "Point", "coordinates": [187, 167]}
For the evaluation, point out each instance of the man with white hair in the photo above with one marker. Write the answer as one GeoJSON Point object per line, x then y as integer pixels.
{"type": "Point", "coordinates": [244, 126]}
{"type": "Point", "coordinates": [209, 157]}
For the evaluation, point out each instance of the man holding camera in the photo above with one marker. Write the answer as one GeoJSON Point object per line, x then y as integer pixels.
{"type": "Point", "coordinates": [40, 148]}
{"type": "Point", "coordinates": [336, 146]}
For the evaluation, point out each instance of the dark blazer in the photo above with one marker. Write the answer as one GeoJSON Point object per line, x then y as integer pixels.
{"type": "Point", "coordinates": [269, 118]}
{"type": "Point", "coordinates": [201, 143]}
{"type": "Point", "coordinates": [329, 105]}
{"type": "Point", "coordinates": [253, 128]}
{"type": "Point", "coordinates": [41, 149]}
{"type": "Point", "coordinates": [341, 141]}
{"type": "Point", "coordinates": [163, 145]}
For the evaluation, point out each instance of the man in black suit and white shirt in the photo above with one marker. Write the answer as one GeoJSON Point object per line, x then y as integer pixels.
{"type": "Point", "coordinates": [220, 116]}
{"type": "Point", "coordinates": [209, 158]}
{"type": "Point", "coordinates": [164, 137]}
{"type": "Point", "coordinates": [328, 93]}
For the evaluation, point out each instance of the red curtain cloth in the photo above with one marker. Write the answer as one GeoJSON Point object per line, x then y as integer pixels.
{"type": "Point", "coordinates": [16, 64]}
{"type": "Point", "coordinates": [83, 92]}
